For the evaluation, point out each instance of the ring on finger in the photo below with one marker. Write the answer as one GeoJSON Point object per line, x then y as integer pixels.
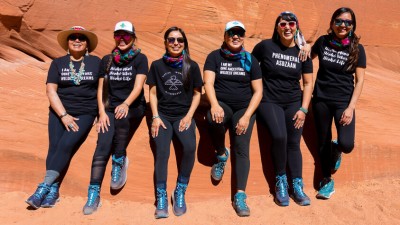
{"type": "Point", "coordinates": [71, 125]}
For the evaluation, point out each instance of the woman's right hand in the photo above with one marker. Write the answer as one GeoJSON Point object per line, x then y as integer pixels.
{"type": "Point", "coordinates": [155, 126]}
{"type": "Point", "coordinates": [103, 123]}
{"type": "Point", "coordinates": [217, 113]}
{"type": "Point", "coordinates": [69, 123]}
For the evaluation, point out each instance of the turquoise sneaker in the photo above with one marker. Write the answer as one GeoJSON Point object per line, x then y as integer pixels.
{"type": "Point", "coordinates": [93, 201]}
{"type": "Point", "coordinates": [52, 197]}
{"type": "Point", "coordinates": [218, 169]}
{"type": "Point", "coordinates": [281, 191]}
{"type": "Point", "coordinates": [326, 188]}
{"type": "Point", "coordinates": [336, 156]}
{"type": "Point", "coordinates": [119, 173]}
{"type": "Point", "coordinates": [162, 204]}
{"type": "Point", "coordinates": [178, 199]}
{"type": "Point", "coordinates": [239, 204]}
{"type": "Point", "coordinates": [298, 194]}
{"type": "Point", "coordinates": [40, 194]}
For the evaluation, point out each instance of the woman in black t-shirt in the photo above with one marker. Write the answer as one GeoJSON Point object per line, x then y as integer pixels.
{"type": "Point", "coordinates": [174, 90]}
{"type": "Point", "coordinates": [284, 105]}
{"type": "Point", "coordinates": [71, 88]}
{"type": "Point", "coordinates": [341, 56]}
{"type": "Point", "coordinates": [232, 80]}
{"type": "Point", "coordinates": [121, 110]}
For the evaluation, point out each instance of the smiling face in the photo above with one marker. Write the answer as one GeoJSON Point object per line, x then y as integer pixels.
{"type": "Point", "coordinates": [342, 25]}
{"type": "Point", "coordinates": [234, 39]}
{"type": "Point", "coordinates": [286, 31]}
{"type": "Point", "coordinates": [77, 43]}
{"type": "Point", "coordinates": [123, 40]}
{"type": "Point", "coordinates": [175, 43]}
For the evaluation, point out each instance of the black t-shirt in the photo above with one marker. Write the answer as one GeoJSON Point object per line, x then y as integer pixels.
{"type": "Point", "coordinates": [174, 100]}
{"type": "Point", "coordinates": [333, 81]}
{"type": "Point", "coordinates": [232, 83]}
{"type": "Point", "coordinates": [76, 99]}
{"type": "Point", "coordinates": [281, 70]}
{"type": "Point", "coordinates": [122, 80]}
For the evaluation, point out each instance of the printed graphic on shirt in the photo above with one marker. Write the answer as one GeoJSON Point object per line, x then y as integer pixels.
{"type": "Point", "coordinates": [228, 69]}
{"type": "Point", "coordinates": [66, 76]}
{"type": "Point", "coordinates": [331, 55]}
{"type": "Point", "coordinates": [173, 85]}
{"type": "Point", "coordinates": [121, 73]}
{"type": "Point", "coordinates": [287, 61]}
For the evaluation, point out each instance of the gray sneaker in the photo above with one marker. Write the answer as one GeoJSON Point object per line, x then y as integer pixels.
{"type": "Point", "coordinates": [119, 173]}
{"type": "Point", "coordinates": [93, 201]}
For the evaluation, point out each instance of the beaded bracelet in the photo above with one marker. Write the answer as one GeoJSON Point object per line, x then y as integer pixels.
{"type": "Point", "coordinates": [305, 111]}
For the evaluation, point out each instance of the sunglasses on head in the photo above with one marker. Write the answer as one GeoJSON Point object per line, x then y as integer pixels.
{"type": "Point", "coordinates": [290, 23]}
{"type": "Point", "coordinates": [80, 37]}
{"type": "Point", "coordinates": [339, 22]}
{"type": "Point", "coordinates": [172, 40]}
{"type": "Point", "coordinates": [233, 32]}
{"type": "Point", "coordinates": [126, 37]}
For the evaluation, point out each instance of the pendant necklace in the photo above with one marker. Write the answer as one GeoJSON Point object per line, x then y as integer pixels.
{"type": "Point", "coordinates": [76, 77]}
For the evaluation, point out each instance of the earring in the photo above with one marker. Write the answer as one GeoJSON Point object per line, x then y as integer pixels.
{"type": "Point", "coordinates": [68, 52]}
{"type": "Point", "coordinates": [351, 33]}
{"type": "Point", "coordinates": [87, 52]}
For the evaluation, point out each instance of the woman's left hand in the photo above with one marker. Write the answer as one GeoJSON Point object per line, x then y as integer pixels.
{"type": "Point", "coordinates": [347, 117]}
{"type": "Point", "coordinates": [305, 52]}
{"type": "Point", "coordinates": [121, 111]}
{"type": "Point", "coordinates": [242, 125]}
{"type": "Point", "coordinates": [185, 123]}
{"type": "Point", "coordinates": [299, 118]}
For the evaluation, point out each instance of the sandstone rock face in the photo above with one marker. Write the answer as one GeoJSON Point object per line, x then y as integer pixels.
{"type": "Point", "coordinates": [28, 31]}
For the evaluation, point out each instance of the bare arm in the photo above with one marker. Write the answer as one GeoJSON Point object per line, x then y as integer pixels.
{"type": "Point", "coordinates": [217, 113]}
{"type": "Point", "coordinates": [122, 110]}
{"type": "Point", "coordinates": [300, 116]}
{"type": "Point", "coordinates": [187, 120]}
{"type": "Point", "coordinates": [348, 114]}
{"type": "Point", "coordinates": [157, 122]}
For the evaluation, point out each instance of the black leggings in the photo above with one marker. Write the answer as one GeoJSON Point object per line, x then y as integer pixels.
{"type": "Point", "coordinates": [324, 112]}
{"type": "Point", "coordinates": [115, 140]}
{"type": "Point", "coordinates": [241, 143]}
{"type": "Point", "coordinates": [63, 144]}
{"type": "Point", "coordinates": [285, 137]}
{"type": "Point", "coordinates": [187, 138]}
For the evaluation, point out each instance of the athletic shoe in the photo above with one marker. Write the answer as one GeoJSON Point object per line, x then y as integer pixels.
{"type": "Point", "coordinates": [336, 156]}
{"type": "Point", "coordinates": [217, 170]}
{"type": "Point", "coordinates": [178, 199]}
{"type": "Point", "coordinates": [281, 191]}
{"type": "Point", "coordinates": [298, 195]}
{"type": "Point", "coordinates": [52, 197]}
{"type": "Point", "coordinates": [40, 194]}
{"type": "Point", "coordinates": [326, 188]}
{"type": "Point", "coordinates": [162, 204]}
{"type": "Point", "coordinates": [239, 204]}
{"type": "Point", "coordinates": [119, 173]}
{"type": "Point", "coordinates": [93, 201]}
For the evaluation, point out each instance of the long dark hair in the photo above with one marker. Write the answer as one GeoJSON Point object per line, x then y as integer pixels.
{"type": "Point", "coordinates": [186, 57]}
{"type": "Point", "coordinates": [354, 39]}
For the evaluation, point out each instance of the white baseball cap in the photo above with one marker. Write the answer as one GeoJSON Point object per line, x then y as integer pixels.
{"type": "Point", "coordinates": [125, 26]}
{"type": "Point", "coordinates": [233, 24]}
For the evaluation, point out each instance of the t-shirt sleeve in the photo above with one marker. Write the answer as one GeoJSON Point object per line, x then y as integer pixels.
{"type": "Point", "coordinates": [210, 63]}
{"type": "Point", "coordinates": [142, 65]}
{"type": "Point", "coordinates": [53, 76]}
{"type": "Point", "coordinates": [255, 69]}
{"type": "Point", "coordinates": [103, 66]}
{"type": "Point", "coordinates": [317, 44]}
{"type": "Point", "coordinates": [151, 77]}
{"type": "Point", "coordinates": [196, 74]}
{"type": "Point", "coordinates": [257, 51]}
{"type": "Point", "coordinates": [362, 58]}
{"type": "Point", "coordinates": [307, 66]}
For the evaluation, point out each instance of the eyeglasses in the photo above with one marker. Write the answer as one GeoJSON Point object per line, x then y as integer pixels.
{"type": "Point", "coordinates": [347, 23]}
{"type": "Point", "coordinates": [283, 24]}
{"type": "Point", "coordinates": [171, 40]}
{"type": "Point", "coordinates": [80, 37]}
{"type": "Point", "coordinates": [240, 33]}
{"type": "Point", "coordinates": [126, 37]}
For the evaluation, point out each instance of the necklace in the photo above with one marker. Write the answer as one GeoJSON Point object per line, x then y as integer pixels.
{"type": "Point", "coordinates": [76, 77]}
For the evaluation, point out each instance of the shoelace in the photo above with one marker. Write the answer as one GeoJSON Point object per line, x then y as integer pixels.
{"type": "Point", "coordinates": [180, 195]}
{"type": "Point", "coordinates": [52, 194]}
{"type": "Point", "coordinates": [161, 199]}
{"type": "Point", "coordinates": [241, 203]}
{"type": "Point", "coordinates": [219, 169]}
{"type": "Point", "coordinates": [298, 188]}
{"type": "Point", "coordinates": [42, 190]}
{"type": "Point", "coordinates": [282, 186]}
{"type": "Point", "coordinates": [93, 193]}
{"type": "Point", "coordinates": [117, 170]}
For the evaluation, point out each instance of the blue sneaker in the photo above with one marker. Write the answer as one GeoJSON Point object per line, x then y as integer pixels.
{"type": "Point", "coordinates": [119, 173]}
{"type": "Point", "coordinates": [40, 194]}
{"type": "Point", "coordinates": [298, 195]}
{"type": "Point", "coordinates": [93, 201]}
{"type": "Point", "coordinates": [218, 169]}
{"type": "Point", "coordinates": [281, 191]}
{"type": "Point", "coordinates": [52, 197]}
{"type": "Point", "coordinates": [336, 156]}
{"type": "Point", "coordinates": [326, 188]}
{"type": "Point", "coordinates": [239, 204]}
{"type": "Point", "coordinates": [178, 199]}
{"type": "Point", "coordinates": [162, 204]}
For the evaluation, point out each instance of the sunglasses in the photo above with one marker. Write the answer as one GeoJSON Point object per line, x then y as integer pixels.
{"type": "Point", "coordinates": [126, 37]}
{"type": "Point", "coordinates": [283, 24]}
{"type": "Point", "coordinates": [240, 33]}
{"type": "Point", "coordinates": [80, 37]}
{"type": "Point", "coordinates": [171, 40]}
{"type": "Point", "coordinates": [347, 23]}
